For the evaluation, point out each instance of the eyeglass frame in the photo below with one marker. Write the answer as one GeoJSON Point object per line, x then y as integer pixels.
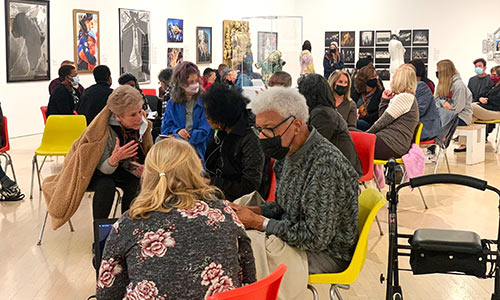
{"type": "Point", "coordinates": [258, 130]}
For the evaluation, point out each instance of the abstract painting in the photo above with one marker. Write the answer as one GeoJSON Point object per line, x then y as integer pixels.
{"type": "Point", "coordinates": [86, 41]}
{"type": "Point", "coordinates": [174, 57]}
{"type": "Point", "coordinates": [203, 45]}
{"type": "Point", "coordinates": [175, 30]}
{"type": "Point", "coordinates": [236, 42]}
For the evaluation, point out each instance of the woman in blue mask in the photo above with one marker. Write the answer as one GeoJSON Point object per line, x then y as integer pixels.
{"type": "Point", "coordinates": [184, 115]}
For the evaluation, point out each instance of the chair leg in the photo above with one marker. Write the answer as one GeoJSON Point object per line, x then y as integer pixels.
{"type": "Point", "coordinates": [379, 227]}
{"type": "Point", "coordinates": [118, 201]}
{"type": "Point", "coordinates": [12, 167]}
{"type": "Point", "coordinates": [42, 230]}
{"type": "Point", "coordinates": [314, 292]}
{"type": "Point", "coordinates": [38, 170]}
{"type": "Point", "coordinates": [32, 176]}
{"type": "Point", "coordinates": [437, 160]}
{"type": "Point", "coordinates": [422, 196]}
{"type": "Point", "coordinates": [71, 226]}
{"type": "Point", "coordinates": [447, 164]}
{"type": "Point", "coordinates": [335, 293]}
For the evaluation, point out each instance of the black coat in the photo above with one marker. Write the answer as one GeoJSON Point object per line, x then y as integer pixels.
{"type": "Point", "coordinates": [493, 99]}
{"type": "Point", "coordinates": [61, 101]}
{"type": "Point", "coordinates": [235, 160]}
{"type": "Point", "coordinates": [372, 108]}
{"type": "Point", "coordinates": [93, 100]}
{"type": "Point", "coordinates": [334, 128]}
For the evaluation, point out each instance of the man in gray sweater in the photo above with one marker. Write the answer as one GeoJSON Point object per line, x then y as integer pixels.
{"type": "Point", "coordinates": [316, 208]}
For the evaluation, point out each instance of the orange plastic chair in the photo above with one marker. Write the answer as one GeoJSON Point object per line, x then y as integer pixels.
{"type": "Point", "coordinates": [151, 92]}
{"type": "Point", "coordinates": [272, 188]}
{"type": "Point", "coordinates": [265, 289]}
{"type": "Point", "coordinates": [365, 146]}
{"type": "Point", "coordinates": [44, 113]}
{"type": "Point", "coordinates": [6, 147]}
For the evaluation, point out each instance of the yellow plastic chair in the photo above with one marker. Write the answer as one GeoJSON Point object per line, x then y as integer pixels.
{"type": "Point", "coordinates": [369, 203]}
{"type": "Point", "coordinates": [496, 122]}
{"type": "Point", "coordinates": [59, 134]}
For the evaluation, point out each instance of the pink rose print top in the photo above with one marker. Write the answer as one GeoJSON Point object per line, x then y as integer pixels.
{"type": "Point", "coordinates": [183, 254]}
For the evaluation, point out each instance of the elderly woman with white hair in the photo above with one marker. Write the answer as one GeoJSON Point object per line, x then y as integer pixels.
{"type": "Point", "coordinates": [315, 216]}
{"type": "Point", "coordinates": [109, 154]}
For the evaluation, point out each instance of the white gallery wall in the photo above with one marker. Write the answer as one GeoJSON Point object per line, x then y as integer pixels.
{"type": "Point", "coordinates": [456, 31]}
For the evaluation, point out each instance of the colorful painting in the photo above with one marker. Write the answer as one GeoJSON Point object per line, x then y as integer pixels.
{"type": "Point", "coordinates": [175, 30]}
{"type": "Point", "coordinates": [27, 40]}
{"type": "Point", "coordinates": [86, 40]}
{"type": "Point", "coordinates": [236, 42]}
{"type": "Point", "coordinates": [347, 39]}
{"type": "Point", "coordinates": [203, 45]}
{"type": "Point", "coordinates": [267, 43]}
{"type": "Point", "coordinates": [174, 57]}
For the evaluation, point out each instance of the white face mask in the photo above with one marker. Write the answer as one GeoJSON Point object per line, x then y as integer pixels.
{"type": "Point", "coordinates": [76, 80]}
{"type": "Point", "coordinates": [193, 88]}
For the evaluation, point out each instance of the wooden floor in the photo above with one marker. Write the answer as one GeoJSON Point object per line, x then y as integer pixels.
{"type": "Point", "coordinates": [61, 267]}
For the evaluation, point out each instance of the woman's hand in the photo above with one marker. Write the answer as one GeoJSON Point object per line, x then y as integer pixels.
{"type": "Point", "coordinates": [388, 95]}
{"type": "Point", "coordinates": [447, 105]}
{"type": "Point", "coordinates": [183, 133]}
{"type": "Point", "coordinates": [122, 152]}
{"type": "Point", "coordinates": [483, 100]}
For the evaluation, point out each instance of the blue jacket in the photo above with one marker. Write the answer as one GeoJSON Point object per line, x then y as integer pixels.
{"type": "Point", "coordinates": [243, 80]}
{"type": "Point", "coordinates": [428, 112]}
{"type": "Point", "coordinates": [175, 120]}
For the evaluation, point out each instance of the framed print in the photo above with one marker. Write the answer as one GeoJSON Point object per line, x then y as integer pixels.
{"type": "Point", "coordinates": [382, 38]}
{"type": "Point", "coordinates": [203, 45]}
{"type": "Point", "coordinates": [347, 55]}
{"type": "Point", "coordinates": [235, 42]}
{"type": "Point", "coordinates": [497, 46]}
{"type": "Point", "coordinates": [174, 57]}
{"type": "Point", "coordinates": [27, 40]}
{"type": "Point", "coordinates": [366, 52]}
{"type": "Point", "coordinates": [135, 43]}
{"type": "Point", "coordinates": [331, 36]}
{"type": "Point", "coordinates": [267, 43]}
{"type": "Point", "coordinates": [347, 39]}
{"type": "Point", "coordinates": [366, 38]}
{"type": "Point", "coordinates": [420, 53]}
{"type": "Point", "coordinates": [421, 37]}
{"type": "Point", "coordinates": [86, 39]}
{"type": "Point", "coordinates": [175, 30]}
{"type": "Point", "coordinates": [405, 37]}
{"type": "Point", "coordinates": [382, 56]}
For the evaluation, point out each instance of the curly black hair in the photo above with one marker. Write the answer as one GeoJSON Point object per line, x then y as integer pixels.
{"type": "Point", "coordinates": [223, 105]}
{"type": "Point", "coordinates": [316, 90]}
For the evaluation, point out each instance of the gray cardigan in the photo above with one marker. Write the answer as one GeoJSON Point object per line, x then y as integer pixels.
{"type": "Point", "coordinates": [461, 99]}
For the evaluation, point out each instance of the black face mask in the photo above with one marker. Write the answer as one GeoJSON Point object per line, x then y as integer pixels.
{"type": "Point", "coordinates": [341, 90]}
{"type": "Point", "coordinates": [229, 82]}
{"type": "Point", "coordinates": [437, 74]}
{"type": "Point", "coordinates": [333, 51]}
{"type": "Point", "coordinates": [372, 82]}
{"type": "Point", "coordinates": [272, 148]}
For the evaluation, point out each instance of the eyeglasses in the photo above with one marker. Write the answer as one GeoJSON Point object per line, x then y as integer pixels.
{"type": "Point", "coordinates": [269, 132]}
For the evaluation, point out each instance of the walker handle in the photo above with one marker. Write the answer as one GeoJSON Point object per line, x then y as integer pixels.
{"type": "Point", "coordinates": [449, 179]}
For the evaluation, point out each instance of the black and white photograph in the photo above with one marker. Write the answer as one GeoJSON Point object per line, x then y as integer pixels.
{"type": "Point", "coordinates": [382, 56]}
{"type": "Point", "coordinates": [382, 37]}
{"type": "Point", "coordinates": [366, 38]}
{"type": "Point", "coordinates": [366, 52]}
{"type": "Point", "coordinates": [420, 53]}
{"type": "Point", "coordinates": [383, 74]}
{"type": "Point", "coordinates": [348, 55]}
{"type": "Point", "coordinates": [421, 37]}
{"type": "Point", "coordinates": [135, 44]}
{"type": "Point", "coordinates": [349, 69]}
{"type": "Point", "coordinates": [27, 40]}
{"type": "Point", "coordinates": [331, 36]}
{"type": "Point", "coordinates": [348, 39]}
{"type": "Point", "coordinates": [407, 54]}
{"type": "Point", "coordinates": [405, 37]}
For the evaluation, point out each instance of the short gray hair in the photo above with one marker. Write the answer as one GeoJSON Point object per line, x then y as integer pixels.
{"type": "Point", "coordinates": [285, 101]}
{"type": "Point", "coordinates": [123, 97]}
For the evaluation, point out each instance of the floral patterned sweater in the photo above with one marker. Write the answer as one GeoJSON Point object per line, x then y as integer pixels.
{"type": "Point", "coordinates": [183, 254]}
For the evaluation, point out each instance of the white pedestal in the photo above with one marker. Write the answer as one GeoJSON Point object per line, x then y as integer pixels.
{"type": "Point", "coordinates": [475, 135]}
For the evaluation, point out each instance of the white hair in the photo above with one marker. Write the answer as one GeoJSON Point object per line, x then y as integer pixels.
{"type": "Point", "coordinates": [285, 101]}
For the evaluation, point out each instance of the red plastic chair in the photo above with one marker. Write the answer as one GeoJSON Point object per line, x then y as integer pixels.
{"type": "Point", "coordinates": [149, 92]}
{"type": "Point", "coordinates": [44, 113]}
{"type": "Point", "coordinates": [272, 188]}
{"type": "Point", "coordinates": [265, 289]}
{"type": "Point", "coordinates": [6, 147]}
{"type": "Point", "coordinates": [365, 146]}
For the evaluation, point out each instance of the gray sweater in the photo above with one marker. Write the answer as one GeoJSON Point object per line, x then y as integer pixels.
{"type": "Point", "coordinates": [316, 206]}
{"type": "Point", "coordinates": [479, 87]}
{"type": "Point", "coordinates": [460, 101]}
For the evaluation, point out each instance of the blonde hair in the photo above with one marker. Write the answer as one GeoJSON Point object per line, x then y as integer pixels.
{"type": "Point", "coordinates": [334, 77]}
{"type": "Point", "coordinates": [446, 70]}
{"type": "Point", "coordinates": [404, 80]}
{"type": "Point", "coordinates": [171, 179]}
{"type": "Point", "coordinates": [123, 97]}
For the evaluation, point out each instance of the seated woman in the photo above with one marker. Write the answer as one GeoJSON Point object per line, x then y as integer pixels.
{"type": "Point", "coordinates": [324, 117]}
{"type": "Point", "coordinates": [184, 115]}
{"type": "Point", "coordinates": [340, 83]}
{"type": "Point", "coordinates": [488, 108]}
{"type": "Point", "coordinates": [234, 158]}
{"type": "Point", "coordinates": [177, 240]}
{"type": "Point", "coordinates": [368, 87]}
{"type": "Point", "coordinates": [109, 154]}
{"type": "Point", "coordinates": [398, 115]}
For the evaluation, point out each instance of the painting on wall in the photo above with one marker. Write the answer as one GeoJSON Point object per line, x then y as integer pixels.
{"type": "Point", "coordinates": [135, 43]}
{"type": "Point", "coordinates": [236, 42]}
{"type": "Point", "coordinates": [27, 40]}
{"type": "Point", "coordinates": [174, 57]}
{"type": "Point", "coordinates": [420, 53]}
{"type": "Point", "coordinates": [347, 39]}
{"type": "Point", "coordinates": [86, 40]}
{"type": "Point", "coordinates": [382, 56]}
{"type": "Point", "coordinates": [331, 36]}
{"type": "Point", "coordinates": [366, 52]}
{"type": "Point", "coordinates": [421, 37]}
{"type": "Point", "coordinates": [203, 45]}
{"type": "Point", "coordinates": [405, 37]}
{"type": "Point", "coordinates": [175, 30]}
{"type": "Point", "coordinates": [348, 55]}
{"type": "Point", "coordinates": [382, 37]}
{"type": "Point", "coordinates": [267, 43]}
{"type": "Point", "coordinates": [497, 46]}
{"type": "Point", "coordinates": [366, 38]}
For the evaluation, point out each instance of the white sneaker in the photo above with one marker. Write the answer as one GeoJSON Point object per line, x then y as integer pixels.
{"type": "Point", "coordinates": [430, 158]}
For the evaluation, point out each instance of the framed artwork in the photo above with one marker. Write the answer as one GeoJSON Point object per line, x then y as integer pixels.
{"type": "Point", "coordinates": [384, 73]}
{"type": "Point", "coordinates": [174, 57]}
{"type": "Point", "coordinates": [203, 45]}
{"type": "Point", "coordinates": [86, 40]}
{"type": "Point", "coordinates": [405, 37]}
{"type": "Point", "coordinates": [421, 37]}
{"type": "Point", "coordinates": [348, 55]}
{"type": "Point", "coordinates": [407, 54]}
{"type": "Point", "coordinates": [366, 52]}
{"type": "Point", "coordinates": [366, 38]}
{"type": "Point", "coordinates": [497, 46]}
{"type": "Point", "coordinates": [382, 38]}
{"type": "Point", "coordinates": [347, 39]}
{"type": "Point", "coordinates": [382, 56]}
{"type": "Point", "coordinates": [135, 43]}
{"type": "Point", "coordinates": [331, 36]}
{"type": "Point", "coordinates": [236, 42]}
{"type": "Point", "coordinates": [267, 43]}
{"type": "Point", "coordinates": [420, 53]}
{"type": "Point", "coordinates": [175, 30]}
{"type": "Point", "coordinates": [27, 39]}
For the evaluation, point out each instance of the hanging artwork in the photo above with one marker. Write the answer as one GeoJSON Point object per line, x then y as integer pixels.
{"type": "Point", "coordinates": [236, 42]}
{"type": "Point", "coordinates": [491, 46]}
{"type": "Point", "coordinates": [366, 52]}
{"type": "Point", "coordinates": [405, 37]}
{"type": "Point", "coordinates": [174, 57]}
{"type": "Point", "coordinates": [382, 56]}
{"type": "Point", "coordinates": [27, 40]}
{"type": "Point", "coordinates": [382, 38]}
{"type": "Point", "coordinates": [86, 39]}
{"type": "Point", "coordinates": [347, 39]}
{"type": "Point", "coordinates": [331, 36]}
{"type": "Point", "coordinates": [348, 54]}
{"type": "Point", "coordinates": [203, 45]}
{"type": "Point", "coordinates": [421, 37]}
{"type": "Point", "coordinates": [175, 30]}
{"type": "Point", "coordinates": [135, 44]}
{"type": "Point", "coordinates": [420, 53]}
{"type": "Point", "coordinates": [366, 38]}
{"type": "Point", "coordinates": [267, 43]}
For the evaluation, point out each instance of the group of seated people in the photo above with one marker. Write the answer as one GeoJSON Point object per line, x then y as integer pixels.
{"type": "Point", "coordinates": [194, 220]}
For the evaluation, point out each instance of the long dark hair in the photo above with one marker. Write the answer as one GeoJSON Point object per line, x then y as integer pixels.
{"type": "Point", "coordinates": [306, 46]}
{"type": "Point", "coordinates": [316, 90]}
{"type": "Point", "coordinates": [180, 80]}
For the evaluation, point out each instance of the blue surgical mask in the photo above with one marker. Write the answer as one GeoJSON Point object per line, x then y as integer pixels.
{"type": "Point", "coordinates": [76, 80]}
{"type": "Point", "coordinates": [479, 71]}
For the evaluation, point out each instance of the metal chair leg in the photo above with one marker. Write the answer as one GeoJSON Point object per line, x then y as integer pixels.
{"type": "Point", "coordinates": [314, 292]}
{"type": "Point", "coordinates": [118, 201]}
{"type": "Point", "coordinates": [335, 293]}
{"type": "Point", "coordinates": [43, 229]}
{"type": "Point", "coordinates": [379, 227]}
{"type": "Point", "coordinates": [12, 167]}
{"type": "Point", "coordinates": [71, 226]}
{"type": "Point", "coordinates": [32, 176]}
{"type": "Point", "coordinates": [422, 196]}
{"type": "Point", "coordinates": [447, 164]}
{"type": "Point", "coordinates": [437, 160]}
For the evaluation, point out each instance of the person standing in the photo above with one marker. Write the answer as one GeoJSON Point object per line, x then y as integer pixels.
{"type": "Point", "coordinates": [65, 97]}
{"type": "Point", "coordinates": [332, 60]}
{"type": "Point", "coordinates": [306, 59]}
{"type": "Point", "coordinates": [95, 97]}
